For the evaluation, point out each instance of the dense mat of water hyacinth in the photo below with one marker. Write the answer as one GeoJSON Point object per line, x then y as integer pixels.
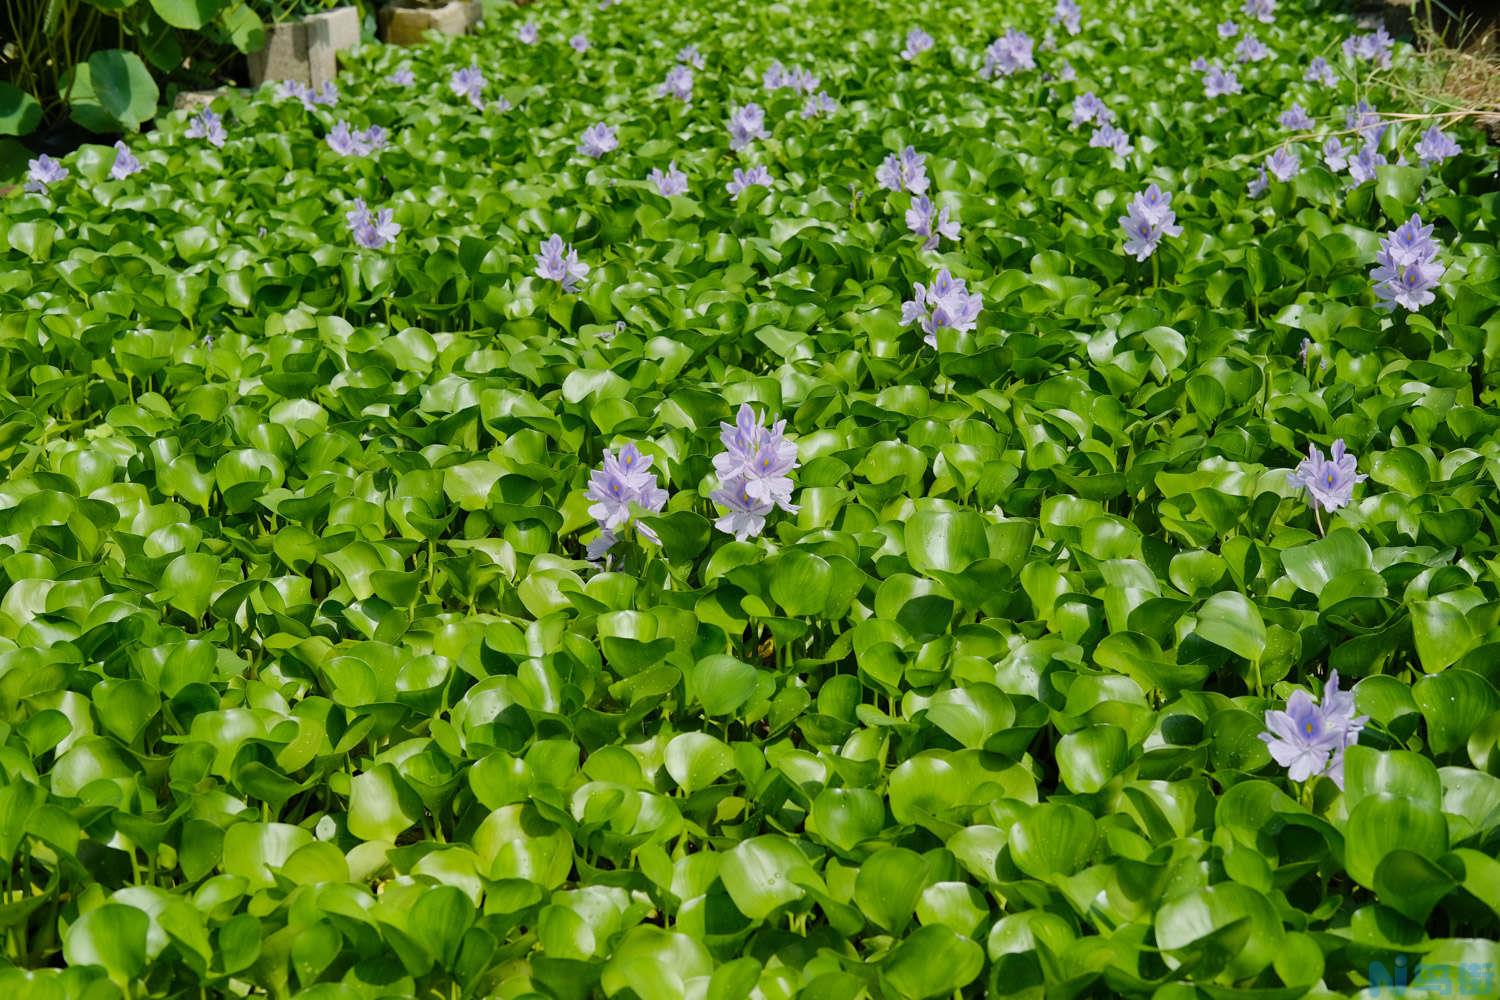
{"type": "Point", "coordinates": [679, 500]}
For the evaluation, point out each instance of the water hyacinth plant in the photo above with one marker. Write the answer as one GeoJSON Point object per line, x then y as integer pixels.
{"type": "Point", "coordinates": [946, 303]}
{"type": "Point", "coordinates": [558, 261]}
{"type": "Point", "coordinates": [478, 569]}
{"type": "Point", "coordinates": [1148, 218]}
{"type": "Point", "coordinates": [621, 487]}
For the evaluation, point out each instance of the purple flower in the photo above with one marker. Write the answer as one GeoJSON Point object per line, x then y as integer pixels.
{"type": "Point", "coordinates": [206, 125]}
{"type": "Point", "coordinates": [1089, 108]}
{"type": "Point", "coordinates": [1251, 49]}
{"type": "Point", "coordinates": [1329, 483]}
{"type": "Point", "coordinates": [1113, 139]}
{"type": "Point", "coordinates": [1411, 243]}
{"type": "Point", "coordinates": [1318, 71]}
{"type": "Point", "coordinates": [1148, 218]}
{"type": "Point", "coordinates": [947, 302]}
{"type": "Point", "coordinates": [501, 104]}
{"type": "Point", "coordinates": [1435, 146]}
{"type": "Point", "coordinates": [672, 182]}
{"type": "Point", "coordinates": [691, 56]}
{"type": "Point", "coordinates": [1263, 11]}
{"type": "Point", "coordinates": [1258, 184]}
{"type": "Point", "coordinates": [1010, 53]}
{"type": "Point", "coordinates": [402, 77]}
{"type": "Point", "coordinates": [1218, 81]}
{"type": "Point", "coordinates": [1374, 47]}
{"type": "Point", "coordinates": [1310, 739]}
{"type": "Point", "coordinates": [1362, 165]}
{"type": "Point", "coordinates": [528, 33]}
{"type": "Point", "coordinates": [559, 262]}
{"type": "Point", "coordinates": [125, 162]}
{"type": "Point", "coordinates": [371, 231]}
{"type": "Point", "coordinates": [805, 81]}
{"type": "Point", "coordinates": [906, 171]}
{"type": "Point", "coordinates": [296, 90]}
{"type": "Point", "coordinates": [1228, 29]}
{"type": "Point", "coordinates": [468, 82]}
{"type": "Point", "coordinates": [819, 104]}
{"type": "Point", "coordinates": [1296, 118]}
{"type": "Point", "coordinates": [1284, 164]}
{"type": "Point", "coordinates": [746, 124]}
{"type": "Point", "coordinates": [42, 171]}
{"type": "Point", "coordinates": [372, 138]}
{"type": "Point", "coordinates": [920, 219]}
{"type": "Point", "coordinates": [579, 42]}
{"type": "Point", "coordinates": [678, 84]}
{"type": "Point", "coordinates": [744, 516]}
{"type": "Point", "coordinates": [343, 142]}
{"type": "Point", "coordinates": [753, 177]}
{"type": "Point", "coordinates": [597, 140]}
{"type": "Point", "coordinates": [623, 480]}
{"type": "Point", "coordinates": [1066, 73]}
{"type": "Point", "coordinates": [757, 460]}
{"type": "Point", "coordinates": [1068, 14]}
{"type": "Point", "coordinates": [1198, 65]}
{"type": "Point", "coordinates": [917, 42]}
{"type": "Point", "coordinates": [1336, 154]}
{"type": "Point", "coordinates": [328, 96]}
{"type": "Point", "coordinates": [1406, 268]}
{"type": "Point", "coordinates": [775, 77]}
{"type": "Point", "coordinates": [1365, 120]}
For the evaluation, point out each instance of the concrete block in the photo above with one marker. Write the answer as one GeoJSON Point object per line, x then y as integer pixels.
{"type": "Point", "coordinates": [407, 25]}
{"type": "Point", "coordinates": [306, 50]}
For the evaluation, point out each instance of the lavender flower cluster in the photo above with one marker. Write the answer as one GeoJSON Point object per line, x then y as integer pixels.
{"type": "Point", "coordinates": [1309, 738]}
{"type": "Point", "coordinates": [753, 473]}
{"type": "Point", "coordinates": [346, 142]}
{"type": "Point", "coordinates": [371, 230]}
{"type": "Point", "coordinates": [1009, 54]}
{"type": "Point", "coordinates": [946, 303]}
{"type": "Point", "coordinates": [1406, 268]}
{"type": "Point", "coordinates": [1147, 219]}
{"type": "Point", "coordinates": [1329, 482]}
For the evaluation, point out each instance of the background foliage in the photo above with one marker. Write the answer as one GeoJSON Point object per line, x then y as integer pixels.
{"type": "Point", "coordinates": [306, 689]}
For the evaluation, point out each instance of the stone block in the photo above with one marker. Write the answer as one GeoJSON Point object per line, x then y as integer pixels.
{"type": "Point", "coordinates": [406, 25]}
{"type": "Point", "coordinates": [306, 50]}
